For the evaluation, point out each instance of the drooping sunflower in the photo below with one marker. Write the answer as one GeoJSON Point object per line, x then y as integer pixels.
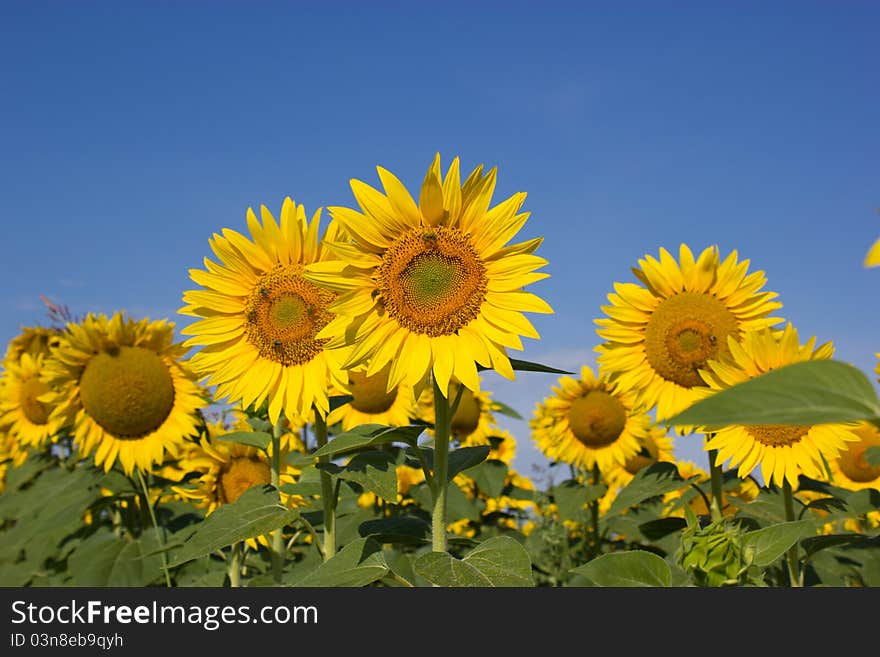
{"type": "Point", "coordinates": [472, 423]}
{"type": "Point", "coordinates": [25, 407]}
{"type": "Point", "coordinates": [431, 287]}
{"type": "Point", "coordinates": [783, 452]}
{"type": "Point", "coordinates": [373, 402]}
{"type": "Point", "coordinates": [32, 340]}
{"type": "Point", "coordinates": [658, 446]}
{"type": "Point", "coordinates": [590, 421]}
{"type": "Point", "coordinates": [851, 469]}
{"type": "Point", "coordinates": [259, 317]}
{"type": "Point", "coordinates": [123, 384]}
{"type": "Point", "coordinates": [660, 334]}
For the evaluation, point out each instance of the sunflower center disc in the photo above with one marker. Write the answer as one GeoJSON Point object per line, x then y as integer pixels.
{"type": "Point", "coordinates": [239, 475]}
{"type": "Point", "coordinates": [432, 281]}
{"type": "Point", "coordinates": [685, 331]}
{"type": "Point", "coordinates": [597, 419]}
{"type": "Point", "coordinates": [369, 391]}
{"type": "Point", "coordinates": [284, 313]}
{"type": "Point", "coordinates": [852, 460]}
{"type": "Point", "coordinates": [34, 410]}
{"type": "Point", "coordinates": [467, 415]}
{"type": "Point", "coordinates": [777, 435]}
{"type": "Point", "coordinates": [129, 392]}
{"type": "Point", "coordinates": [639, 461]}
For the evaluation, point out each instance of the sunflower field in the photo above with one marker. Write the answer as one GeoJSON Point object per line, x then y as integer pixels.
{"type": "Point", "coordinates": [318, 417]}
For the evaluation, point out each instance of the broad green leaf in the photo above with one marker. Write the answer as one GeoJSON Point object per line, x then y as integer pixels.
{"type": "Point", "coordinates": [464, 458]}
{"type": "Point", "coordinates": [571, 497]}
{"type": "Point", "coordinates": [806, 393]}
{"type": "Point", "coordinates": [376, 471]}
{"type": "Point", "coordinates": [367, 435]}
{"type": "Point", "coordinates": [259, 424]}
{"type": "Point", "coordinates": [656, 529]}
{"type": "Point", "coordinates": [772, 542]}
{"type": "Point", "coordinates": [397, 529]}
{"type": "Point", "coordinates": [359, 563]}
{"type": "Point", "coordinates": [489, 477]}
{"type": "Point", "coordinates": [500, 561]}
{"type": "Point", "coordinates": [339, 400]}
{"type": "Point", "coordinates": [258, 439]}
{"type": "Point", "coordinates": [255, 513]}
{"type": "Point", "coordinates": [813, 544]}
{"type": "Point", "coordinates": [656, 479]}
{"type": "Point", "coordinates": [105, 559]}
{"type": "Point", "coordinates": [626, 569]}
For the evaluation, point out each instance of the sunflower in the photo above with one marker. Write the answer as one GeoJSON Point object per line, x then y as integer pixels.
{"type": "Point", "coordinates": [25, 411]}
{"type": "Point", "coordinates": [259, 317]}
{"type": "Point", "coordinates": [373, 402]}
{"type": "Point", "coordinates": [472, 423]}
{"type": "Point", "coordinates": [503, 446]}
{"type": "Point", "coordinates": [658, 446]}
{"type": "Point", "coordinates": [588, 421]}
{"type": "Point", "coordinates": [872, 259]}
{"type": "Point", "coordinates": [32, 340]}
{"type": "Point", "coordinates": [659, 336]}
{"type": "Point", "coordinates": [431, 287]}
{"type": "Point", "coordinates": [783, 452]}
{"type": "Point", "coordinates": [123, 384]}
{"type": "Point", "coordinates": [850, 469]}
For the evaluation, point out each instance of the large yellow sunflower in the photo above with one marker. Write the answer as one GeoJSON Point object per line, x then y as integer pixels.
{"type": "Point", "coordinates": [259, 317]}
{"type": "Point", "coordinates": [657, 446]}
{"type": "Point", "coordinates": [372, 402]}
{"type": "Point", "coordinates": [25, 407]}
{"type": "Point", "coordinates": [658, 336]}
{"type": "Point", "coordinates": [431, 287]}
{"type": "Point", "coordinates": [783, 452]}
{"type": "Point", "coordinates": [472, 423]}
{"type": "Point", "coordinates": [589, 421]}
{"type": "Point", "coordinates": [850, 469]}
{"type": "Point", "coordinates": [123, 384]}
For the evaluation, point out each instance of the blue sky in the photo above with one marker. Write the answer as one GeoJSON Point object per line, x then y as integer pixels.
{"type": "Point", "coordinates": [130, 132]}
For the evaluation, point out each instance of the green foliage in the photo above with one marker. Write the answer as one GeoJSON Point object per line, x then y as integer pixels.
{"type": "Point", "coordinates": [500, 561]}
{"type": "Point", "coordinates": [626, 569]}
{"type": "Point", "coordinates": [258, 439]}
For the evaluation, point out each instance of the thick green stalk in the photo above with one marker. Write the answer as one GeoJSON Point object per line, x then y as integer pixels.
{"type": "Point", "coordinates": [594, 515]}
{"type": "Point", "coordinates": [791, 556]}
{"type": "Point", "coordinates": [442, 428]}
{"type": "Point", "coordinates": [328, 493]}
{"type": "Point", "coordinates": [277, 551]}
{"type": "Point", "coordinates": [717, 484]}
{"type": "Point", "coordinates": [159, 536]}
{"type": "Point", "coordinates": [234, 565]}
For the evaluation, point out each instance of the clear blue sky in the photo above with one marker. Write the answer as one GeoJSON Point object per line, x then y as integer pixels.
{"type": "Point", "coordinates": [129, 132]}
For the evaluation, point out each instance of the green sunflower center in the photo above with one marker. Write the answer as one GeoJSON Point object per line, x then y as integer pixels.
{"type": "Point", "coordinates": [648, 455]}
{"type": "Point", "coordinates": [34, 410]}
{"type": "Point", "coordinates": [597, 419]}
{"type": "Point", "coordinates": [284, 313]}
{"type": "Point", "coordinates": [684, 331]}
{"type": "Point", "coordinates": [467, 415]}
{"type": "Point", "coordinates": [852, 460]}
{"type": "Point", "coordinates": [369, 392]}
{"type": "Point", "coordinates": [432, 281]}
{"type": "Point", "coordinates": [777, 435]}
{"type": "Point", "coordinates": [239, 475]}
{"type": "Point", "coordinates": [128, 391]}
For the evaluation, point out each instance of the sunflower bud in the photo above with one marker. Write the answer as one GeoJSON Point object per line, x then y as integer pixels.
{"type": "Point", "coordinates": [714, 555]}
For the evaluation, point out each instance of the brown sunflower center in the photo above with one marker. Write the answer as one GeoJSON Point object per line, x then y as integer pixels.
{"type": "Point", "coordinates": [638, 461]}
{"type": "Point", "coordinates": [128, 391]}
{"type": "Point", "coordinates": [34, 410]}
{"type": "Point", "coordinates": [777, 435]}
{"type": "Point", "coordinates": [597, 419]}
{"type": "Point", "coordinates": [432, 281]}
{"type": "Point", "coordinates": [467, 415]}
{"type": "Point", "coordinates": [369, 391]}
{"type": "Point", "coordinates": [685, 331]}
{"type": "Point", "coordinates": [852, 460]}
{"type": "Point", "coordinates": [284, 313]}
{"type": "Point", "coordinates": [239, 475]}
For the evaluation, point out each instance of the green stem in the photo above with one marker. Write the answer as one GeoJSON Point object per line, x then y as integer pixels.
{"type": "Point", "coordinates": [315, 540]}
{"type": "Point", "coordinates": [442, 427]}
{"type": "Point", "coordinates": [328, 493]}
{"type": "Point", "coordinates": [594, 515]}
{"type": "Point", "coordinates": [791, 556]}
{"type": "Point", "coordinates": [234, 565]}
{"type": "Point", "coordinates": [717, 483]}
{"type": "Point", "coordinates": [159, 535]}
{"type": "Point", "coordinates": [277, 551]}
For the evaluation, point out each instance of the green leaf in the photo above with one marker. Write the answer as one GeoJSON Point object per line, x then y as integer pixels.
{"type": "Point", "coordinates": [806, 393]}
{"type": "Point", "coordinates": [813, 544]}
{"type": "Point", "coordinates": [339, 400]}
{"type": "Point", "coordinates": [656, 529]}
{"type": "Point", "coordinates": [572, 496]}
{"type": "Point", "coordinates": [105, 559]}
{"type": "Point", "coordinates": [259, 424]}
{"type": "Point", "coordinates": [255, 513]}
{"type": "Point", "coordinates": [299, 460]}
{"type": "Point", "coordinates": [258, 439]}
{"type": "Point", "coordinates": [396, 529]}
{"type": "Point", "coordinates": [500, 561]}
{"type": "Point", "coordinates": [656, 479]}
{"type": "Point", "coordinates": [626, 569]}
{"type": "Point", "coordinates": [489, 477]}
{"type": "Point", "coordinates": [503, 409]}
{"type": "Point", "coordinates": [772, 542]}
{"type": "Point", "coordinates": [527, 366]}
{"type": "Point", "coordinates": [359, 563]}
{"type": "Point", "coordinates": [872, 456]}
{"type": "Point", "coordinates": [367, 435]}
{"type": "Point", "coordinates": [376, 471]}
{"type": "Point", "coordinates": [464, 458]}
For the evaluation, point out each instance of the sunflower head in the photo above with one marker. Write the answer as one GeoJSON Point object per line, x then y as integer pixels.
{"type": "Point", "coordinates": [431, 287]}
{"type": "Point", "coordinates": [33, 340]}
{"type": "Point", "coordinates": [473, 421]}
{"type": "Point", "coordinates": [660, 334]}
{"type": "Point", "coordinates": [372, 402]}
{"type": "Point", "coordinates": [851, 468]}
{"type": "Point", "coordinates": [26, 402]}
{"type": "Point", "coordinates": [259, 317]}
{"type": "Point", "coordinates": [783, 452]}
